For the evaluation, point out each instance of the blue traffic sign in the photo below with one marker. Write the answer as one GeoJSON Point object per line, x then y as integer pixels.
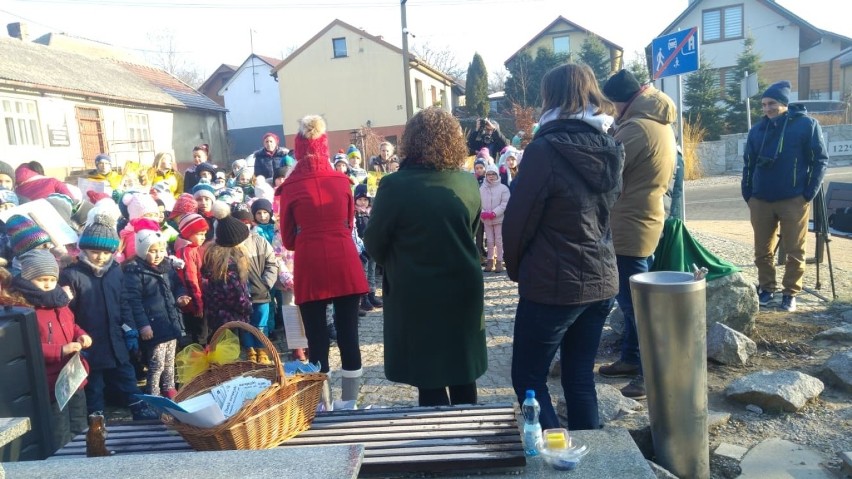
{"type": "Point", "coordinates": [675, 53]}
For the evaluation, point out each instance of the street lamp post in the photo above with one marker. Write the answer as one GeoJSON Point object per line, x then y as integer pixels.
{"type": "Point", "coordinates": [406, 68]}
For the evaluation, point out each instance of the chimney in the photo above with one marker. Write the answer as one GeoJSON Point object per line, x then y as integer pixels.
{"type": "Point", "coordinates": [18, 30]}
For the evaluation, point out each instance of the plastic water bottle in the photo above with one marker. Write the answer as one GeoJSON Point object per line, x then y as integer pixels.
{"type": "Point", "coordinates": [532, 428]}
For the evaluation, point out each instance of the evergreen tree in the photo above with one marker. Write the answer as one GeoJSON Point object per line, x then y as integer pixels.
{"type": "Point", "coordinates": [747, 61]}
{"type": "Point", "coordinates": [701, 100]}
{"type": "Point", "coordinates": [476, 87]}
{"type": "Point", "coordinates": [594, 54]}
{"type": "Point", "coordinates": [639, 68]}
{"type": "Point", "coordinates": [524, 83]}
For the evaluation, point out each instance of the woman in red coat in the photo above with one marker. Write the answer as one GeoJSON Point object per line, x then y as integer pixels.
{"type": "Point", "coordinates": [317, 216]}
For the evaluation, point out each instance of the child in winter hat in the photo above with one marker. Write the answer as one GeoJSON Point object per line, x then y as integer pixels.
{"type": "Point", "coordinates": [100, 235]}
{"type": "Point", "coordinates": [261, 211]}
{"type": "Point", "coordinates": [193, 232]}
{"type": "Point", "coordinates": [8, 199]}
{"type": "Point", "coordinates": [141, 205]}
{"type": "Point", "coordinates": [61, 337]}
{"type": "Point", "coordinates": [7, 176]}
{"type": "Point", "coordinates": [154, 308]}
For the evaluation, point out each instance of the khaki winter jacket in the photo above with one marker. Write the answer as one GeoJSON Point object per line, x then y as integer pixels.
{"type": "Point", "coordinates": [645, 129]}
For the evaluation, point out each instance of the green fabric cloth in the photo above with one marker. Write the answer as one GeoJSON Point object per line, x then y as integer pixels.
{"type": "Point", "coordinates": [678, 251]}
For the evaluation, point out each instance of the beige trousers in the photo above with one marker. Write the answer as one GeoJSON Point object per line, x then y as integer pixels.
{"type": "Point", "coordinates": [791, 216]}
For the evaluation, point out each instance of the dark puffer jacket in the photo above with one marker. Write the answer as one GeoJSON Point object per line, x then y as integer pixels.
{"type": "Point", "coordinates": [149, 298]}
{"type": "Point", "coordinates": [556, 228]}
{"type": "Point", "coordinates": [799, 162]}
{"type": "Point", "coordinates": [97, 309]}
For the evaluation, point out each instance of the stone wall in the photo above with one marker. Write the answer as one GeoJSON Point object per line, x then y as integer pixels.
{"type": "Point", "coordinates": [725, 156]}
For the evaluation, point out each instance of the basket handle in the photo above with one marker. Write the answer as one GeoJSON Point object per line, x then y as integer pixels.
{"type": "Point", "coordinates": [276, 358]}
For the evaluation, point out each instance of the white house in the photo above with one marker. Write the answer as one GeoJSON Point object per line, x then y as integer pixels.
{"type": "Point", "coordinates": [254, 105]}
{"type": "Point", "coordinates": [789, 47]}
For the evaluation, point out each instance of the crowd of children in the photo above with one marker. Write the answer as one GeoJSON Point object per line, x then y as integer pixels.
{"type": "Point", "coordinates": [162, 260]}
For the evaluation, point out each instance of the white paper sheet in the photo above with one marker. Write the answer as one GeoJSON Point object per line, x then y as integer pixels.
{"type": "Point", "coordinates": [202, 411]}
{"type": "Point", "coordinates": [293, 327]}
{"type": "Point", "coordinates": [231, 395]}
{"type": "Point", "coordinates": [69, 380]}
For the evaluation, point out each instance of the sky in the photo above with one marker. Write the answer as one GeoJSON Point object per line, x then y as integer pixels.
{"type": "Point", "coordinates": [211, 32]}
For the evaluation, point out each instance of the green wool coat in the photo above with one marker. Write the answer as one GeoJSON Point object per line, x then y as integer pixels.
{"type": "Point", "coordinates": [421, 231]}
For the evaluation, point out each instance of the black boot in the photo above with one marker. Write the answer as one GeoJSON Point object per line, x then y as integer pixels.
{"type": "Point", "coordinates": [365, 304]}
{"type": "Point", "coordinates": [375, 300]}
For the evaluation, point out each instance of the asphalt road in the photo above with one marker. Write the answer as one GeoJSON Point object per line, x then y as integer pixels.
{"type": "Point", "coordinates": [715, 206]}
{"type": "Point", "coordinates": [723, 202]}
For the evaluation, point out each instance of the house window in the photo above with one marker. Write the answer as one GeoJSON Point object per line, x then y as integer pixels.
{"type": "Point", "coordinates": [727, 77]}
{"type": "Point", "coordinates": [444, 103]}
{"type": "Point", "coordinates": [561, 45]}
{"type": "Point", "coordinates": [720, 24]}
{"type": "Point", "coordinates": [418, 91]}
{"type": "Point", "coordinates": [21, 120]}
{"type": "Point", "coordinates": [339, 46]}
{"type": "Point", "coordinates": [138, 132]}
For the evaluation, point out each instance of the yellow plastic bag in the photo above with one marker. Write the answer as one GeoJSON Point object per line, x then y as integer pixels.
{"type": "Point", "coordinates": [195, 358]}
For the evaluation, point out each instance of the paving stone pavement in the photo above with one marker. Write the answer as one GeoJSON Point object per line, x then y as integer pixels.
{"type": "Point", "coordinates": [495, 385]}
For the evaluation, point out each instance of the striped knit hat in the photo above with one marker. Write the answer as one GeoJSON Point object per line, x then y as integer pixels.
{"type": "Point", "coordinates": [191, 224]}
{"type": "Point", "coordinates": [38, 263]}
{"type": "Point", "coordinates": [101, 235]}
{"type": "Point", "coordinates": [24, 234]}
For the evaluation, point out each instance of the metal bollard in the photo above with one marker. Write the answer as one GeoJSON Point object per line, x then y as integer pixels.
{"type": "Point", "coordinates": [671, 314]}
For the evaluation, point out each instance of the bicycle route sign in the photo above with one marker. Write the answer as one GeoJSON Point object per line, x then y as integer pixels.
{"type": "Point", "coordinates": [675, 53]}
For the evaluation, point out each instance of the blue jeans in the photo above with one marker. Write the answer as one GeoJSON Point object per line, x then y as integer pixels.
{"type": "Point", "coordinates": [121, 378]}
{"type": "Point", "coordinates": [541, 329]}
{"type": "Point", "coordinates": [627, 267]}
{"type": "Point", "coordinates": [260, 320]}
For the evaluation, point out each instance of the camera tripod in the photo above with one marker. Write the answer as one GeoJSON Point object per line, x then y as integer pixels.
{"type": "Point", "coordinates": [823, 239]}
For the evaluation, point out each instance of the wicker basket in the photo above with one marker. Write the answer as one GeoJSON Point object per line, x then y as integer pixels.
{"type": "Point", "coordinates": [280, 412]}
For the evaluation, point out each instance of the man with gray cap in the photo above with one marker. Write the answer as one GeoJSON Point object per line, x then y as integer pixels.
{"type": "Point", "coordinates": [644, 126]}
{"type": "Point", "coordinates": [784, 164]}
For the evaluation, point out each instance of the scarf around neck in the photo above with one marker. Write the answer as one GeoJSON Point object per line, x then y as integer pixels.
{"type": "Point", "coordinates": [98, 271]}
{"type": "Point", "coordinates": [55, 298]}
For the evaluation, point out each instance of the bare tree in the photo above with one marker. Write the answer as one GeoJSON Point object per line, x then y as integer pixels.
{"type": "Point", "coordinates": [165, 54]}
{"type": "Point", "coordinates": [441, 58]}
{"type": "Point", "coordinates": [497, 80]}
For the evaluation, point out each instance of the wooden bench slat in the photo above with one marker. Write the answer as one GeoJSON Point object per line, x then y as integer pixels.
{"type": "Point", "coordinates": [400, 422]}
{"type": "Point", "coordinates": [389, 429]}
{"type": "Point", "coordinates": [484, 437]}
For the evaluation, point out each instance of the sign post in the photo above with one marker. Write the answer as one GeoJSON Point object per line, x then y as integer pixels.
{"type": "Point", "coordinates": [676, 54]}
{"type": "Point", "coordinates": [748, 89]}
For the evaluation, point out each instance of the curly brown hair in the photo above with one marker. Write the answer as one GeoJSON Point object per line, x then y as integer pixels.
{"type": "Point", "coordinates": [8, 295]}
{"type": "Point", "coordinates": [433, 139]}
